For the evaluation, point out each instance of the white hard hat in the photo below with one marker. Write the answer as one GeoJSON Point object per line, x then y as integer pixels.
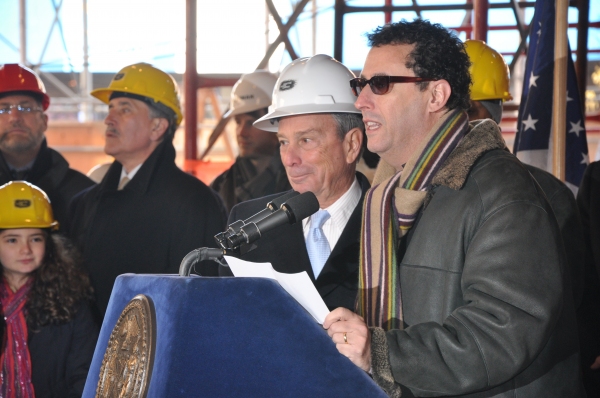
{"type": "Point", "coordinates": [252, 92]}
{"type": "Point", "coordinates": [317, 84]}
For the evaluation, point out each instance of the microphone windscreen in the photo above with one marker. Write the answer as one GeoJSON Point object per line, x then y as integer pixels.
{"type": "Point", "coordinates": [278, 201]}
{"type": "Point", "coordinates": [271, 207]}
{"type": "Point", "coordinates": [302, 206]}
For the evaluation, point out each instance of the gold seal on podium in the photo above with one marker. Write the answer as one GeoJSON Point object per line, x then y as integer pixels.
{"type": "Point", "coordinates": [127, 364]}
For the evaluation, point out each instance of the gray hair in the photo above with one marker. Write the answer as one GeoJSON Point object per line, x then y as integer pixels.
{"type": "Point", "coordinates": [160, 111]}
{"type": "Point", "coordinates": [348, 121]}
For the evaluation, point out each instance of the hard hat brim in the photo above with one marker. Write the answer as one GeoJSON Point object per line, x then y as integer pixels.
{"type": "Point", "coordinates": [53, 226]}
{"type": "Point", "coordinates": [270, 122]}
{"type": "Point", "coordinates": [103, 94]}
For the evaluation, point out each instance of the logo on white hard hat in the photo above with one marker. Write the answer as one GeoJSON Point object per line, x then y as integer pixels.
{"type": "Point", "coordinates": [287, 85]}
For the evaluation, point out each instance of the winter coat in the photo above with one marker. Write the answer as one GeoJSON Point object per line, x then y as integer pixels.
{"type": "Point", "coordinates": [241, 182]}
{"type": "Point", "coordinates": [487, 306]}
{"type": "Point", "coordinates": [588, 314]}
{"type": "Point", "coordinates": [51, 173]}
{"type": "Point", "coordinates": [61, 356]}
{"type": "Point", "coordinates": [148, 227]}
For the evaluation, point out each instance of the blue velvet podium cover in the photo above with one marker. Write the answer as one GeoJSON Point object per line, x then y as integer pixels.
{"type": "Point", "coordinates": [232, 337]}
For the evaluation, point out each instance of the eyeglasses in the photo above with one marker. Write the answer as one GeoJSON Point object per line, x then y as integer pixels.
{"type": "Point", "coordinates": [381, 84]}
{"type": "Point", "coordinates": [21, 108]}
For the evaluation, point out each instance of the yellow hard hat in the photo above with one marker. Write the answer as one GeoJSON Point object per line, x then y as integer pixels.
{"type": "Point", "coordinates": [23, 205]}
{"type": "Point", "coordinates": [489, 72]}
{"type": "Point", "coordinates": [147, 81]}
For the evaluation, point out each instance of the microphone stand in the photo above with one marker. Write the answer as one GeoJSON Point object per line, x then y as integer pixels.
{"type": "Point", "coordinates": [202, 254]}
{"type": "Point", "coordinates": [240, 236]}
{"type": "Point", "coordinates": [216, 255]}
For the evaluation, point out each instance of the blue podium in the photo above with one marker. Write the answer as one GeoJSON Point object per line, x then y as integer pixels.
{"type": "Point", "coordinates": [232, 337]}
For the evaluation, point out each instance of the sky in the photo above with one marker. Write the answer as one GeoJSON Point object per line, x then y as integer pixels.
{"type": "Point", "coordinates": [232, 34]}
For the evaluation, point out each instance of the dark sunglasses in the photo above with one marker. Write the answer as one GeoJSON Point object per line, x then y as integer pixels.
{"type": "Point", "coordinates": [381, 84]}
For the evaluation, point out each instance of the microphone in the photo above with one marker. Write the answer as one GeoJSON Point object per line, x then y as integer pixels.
{"type": "Point", "coordinates": [272, 206]}
{"type": "Point", "coordinates": [293, 210]}
{"type": "Point", "coordinates": [234, 228]}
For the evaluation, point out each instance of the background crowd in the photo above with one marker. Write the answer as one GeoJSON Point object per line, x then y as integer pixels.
{"type": "Point", "coordinates": [490, 268]}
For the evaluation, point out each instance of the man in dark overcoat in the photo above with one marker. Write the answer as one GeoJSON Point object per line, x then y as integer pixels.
{"type": "Point", "coordinates": [146, 214]}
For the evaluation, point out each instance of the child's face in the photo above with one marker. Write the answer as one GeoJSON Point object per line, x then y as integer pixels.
{"type": "Point", "coordinates": [21, 251]}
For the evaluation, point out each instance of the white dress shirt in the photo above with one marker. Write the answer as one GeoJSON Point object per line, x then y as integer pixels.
{"type": "Point", "coordinates": [340, 212]}
{"type": "Point", "coordinates": [131, 174]}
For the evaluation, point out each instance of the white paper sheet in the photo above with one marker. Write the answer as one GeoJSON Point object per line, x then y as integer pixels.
{"type": "Point", "coordinates": [299, 285]}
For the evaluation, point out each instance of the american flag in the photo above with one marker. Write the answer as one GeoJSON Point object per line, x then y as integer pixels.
{"type": "Point", "coordinates": [532, 142]}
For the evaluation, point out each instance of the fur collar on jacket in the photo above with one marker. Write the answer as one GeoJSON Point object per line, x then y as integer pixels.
{"type": "Point", "coordinates": [483, 136]}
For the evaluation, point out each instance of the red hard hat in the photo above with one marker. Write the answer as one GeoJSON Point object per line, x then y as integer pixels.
{"type": "Point", "coordinates": [15, 77]}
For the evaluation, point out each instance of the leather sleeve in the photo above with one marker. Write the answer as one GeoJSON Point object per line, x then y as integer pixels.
{"type": "Point", "coordinates": [512, 295]}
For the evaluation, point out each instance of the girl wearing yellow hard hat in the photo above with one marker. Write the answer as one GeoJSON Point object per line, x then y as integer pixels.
{"type": "Point", "coordinates": [48, 334]}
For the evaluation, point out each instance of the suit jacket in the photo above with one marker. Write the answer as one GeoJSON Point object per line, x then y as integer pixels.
{"type": "Point", "coordinates": [285, 248]}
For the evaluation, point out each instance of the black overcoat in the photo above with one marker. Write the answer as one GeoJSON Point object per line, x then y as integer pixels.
{"type": "Point", "coordinates": [51, 173]}
{"type": "Point", "coordinates": [146, 228]}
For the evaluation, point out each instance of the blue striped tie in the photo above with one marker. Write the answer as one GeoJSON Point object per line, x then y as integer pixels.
{"type": "Point", "coordinates": [316, 242]}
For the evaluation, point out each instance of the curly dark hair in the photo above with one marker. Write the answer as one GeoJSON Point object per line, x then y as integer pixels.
{"type": "Point", "coordinates": [438, 54]}
{"type": "Point", "coordinates": [59, 285]}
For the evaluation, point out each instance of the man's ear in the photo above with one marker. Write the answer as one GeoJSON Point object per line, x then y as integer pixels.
{"type": "Point", "coordinates": [45, 119]}
{"type": "Point", "coordinates": [440, 93]}
{"type": "Point", "coordinates": [159, 126]}
{"type": "Point", "coordinates": [353, 144]}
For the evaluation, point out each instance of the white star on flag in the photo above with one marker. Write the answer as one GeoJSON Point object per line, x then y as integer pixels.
{"type": "Point", "coordinates": [535, 146]}
{"type": "Point", "coordinates": [576, 128]}
{"type": "Point", "coordinates": [529, 123]}
{"type": "Point", "coordinates": [532, 80]}
{"type": "Point", "coordinates": [586, 158]}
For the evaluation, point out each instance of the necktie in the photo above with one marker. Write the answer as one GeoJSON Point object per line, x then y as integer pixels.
{"type": "Point", "coordinates": [316, 242]}
{"type": "Point", "coordinates": [122, 183]}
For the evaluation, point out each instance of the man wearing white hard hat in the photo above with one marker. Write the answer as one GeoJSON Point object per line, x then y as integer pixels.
{"type": "Point", "coordinates": [320, 133]}
{"type": "Point", "coordinates": [258, 170]}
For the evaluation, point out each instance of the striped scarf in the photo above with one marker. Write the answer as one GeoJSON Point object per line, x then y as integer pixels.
{"type": "Point", "coordinates": [15, 359]}
{"type": "Point", "coordinates": [379, 299]}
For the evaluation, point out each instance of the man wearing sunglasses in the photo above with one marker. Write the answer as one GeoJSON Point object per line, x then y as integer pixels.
{"type": "Point", "coordinates": [24, 153]}
{"type": "Point", "coordinates": [320, 134]}
{"type": "Point", "coordinates": [462, 288]}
